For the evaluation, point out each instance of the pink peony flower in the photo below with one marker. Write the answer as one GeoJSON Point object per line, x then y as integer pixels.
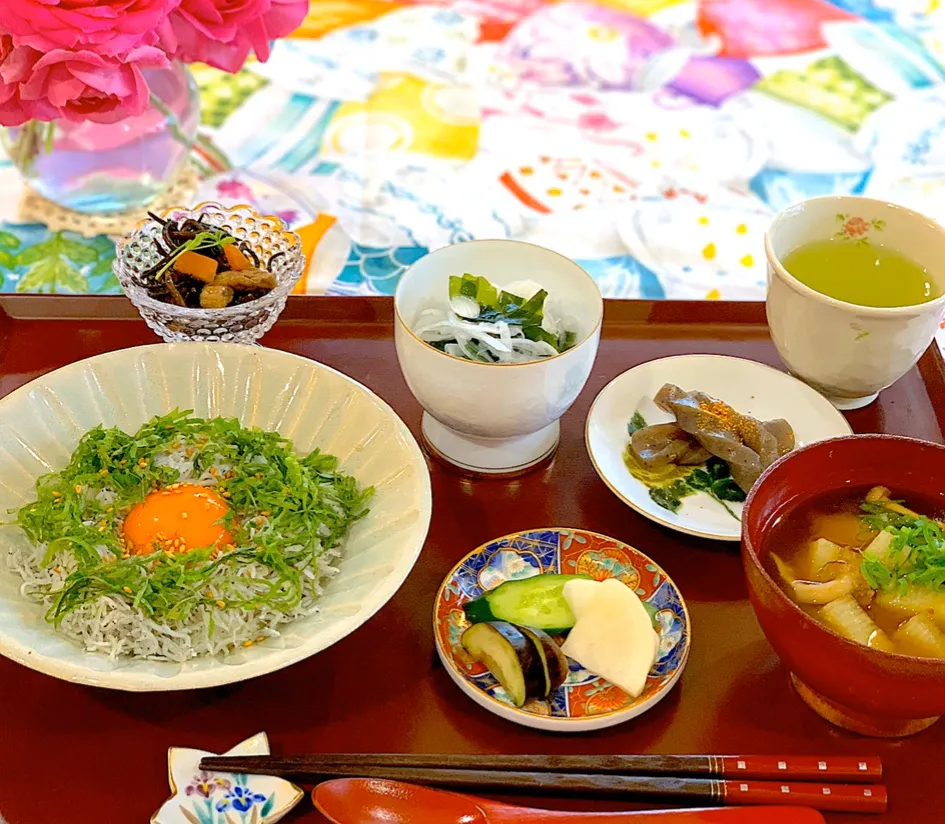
{"type": "Point", "coordinates": [222, 33]}
{"type": "Point", "coordinates": [16, 66]}
{"type": "Point", "coordinates": [81, 85]}
{"type": "Point", "coordinates": [108, 27]}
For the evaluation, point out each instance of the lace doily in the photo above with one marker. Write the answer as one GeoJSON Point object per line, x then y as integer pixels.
{"type": "Point", "coordinates": [36, 209]}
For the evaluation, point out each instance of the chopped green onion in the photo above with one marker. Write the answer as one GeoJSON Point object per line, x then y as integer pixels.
{"type": "Point", "coordinates": [916, 556]}
{"type": "Point", "coordinates": [310, 508]}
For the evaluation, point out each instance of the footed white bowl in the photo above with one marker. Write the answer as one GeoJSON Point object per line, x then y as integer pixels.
{"type": "Point", "coordinates": [493, 419]}
{"type": "Point", "coordinates": [41, 423]}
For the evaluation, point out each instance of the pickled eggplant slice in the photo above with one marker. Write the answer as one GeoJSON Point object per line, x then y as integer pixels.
{"type": "Point", "coordinates": [553, 661]}
{"type": "Point", "coordinates": [511, 656]}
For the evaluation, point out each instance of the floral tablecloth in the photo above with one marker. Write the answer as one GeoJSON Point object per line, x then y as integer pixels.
{"type": "Point", "coordinates": [650, 140]}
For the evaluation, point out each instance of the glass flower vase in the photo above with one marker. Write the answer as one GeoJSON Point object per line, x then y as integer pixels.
{"type": "Point", "coordinates": [99, 168]}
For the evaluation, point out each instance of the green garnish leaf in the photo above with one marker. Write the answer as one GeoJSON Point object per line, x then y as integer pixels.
{"type": "Point", "coordinates": [879, 518]}
{"type": "Point", "coordinates": [727, 490]}
{"type": "Point", "coordinates": [700, 479]}
{"type": "Point", "coordinates": [715, 480]}
{"type": "Point", "coordinates": [505, 307]}
{"type": "Point", "coordinates": [875, 572]}
{"type": "Point", "coordinates": [717, 469]}
{"type": "Point", "coordinates": [670, 496]}
{"type": "Point", "coordinates": [637, 422]}
{"type": "Point", "coordinates": [537, 333]}
{"type": "Point", "coordinates": [203, 240]}
{"type": "Point", "coordinates": [472, 286]}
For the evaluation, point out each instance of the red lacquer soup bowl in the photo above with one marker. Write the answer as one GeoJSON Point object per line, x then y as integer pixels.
{"type": "Point", "coordinates": [853, 686]}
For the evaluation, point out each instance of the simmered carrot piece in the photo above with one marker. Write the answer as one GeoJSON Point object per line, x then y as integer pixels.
{"type": "Point", "coordinates": [237, 260]}
{"type": "Point", "coordinates": [197, 266]}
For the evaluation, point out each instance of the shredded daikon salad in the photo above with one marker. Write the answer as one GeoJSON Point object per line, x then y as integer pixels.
{"type": "Point", "coordinates": [515, 324]}
{"type": "Point", "coordinates": [284, 516]}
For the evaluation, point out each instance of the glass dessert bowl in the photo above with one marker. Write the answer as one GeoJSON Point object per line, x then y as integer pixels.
{"type": "Point", "coordinates": [145, 257]}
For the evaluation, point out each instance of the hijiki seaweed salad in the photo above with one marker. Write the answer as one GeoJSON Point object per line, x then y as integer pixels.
{"type": "Point", "coordinates": [189, 537]}
{"type": "Point", "coordinates": [204, 267]}
{"type": "Point", "coordinates": [515, 324]}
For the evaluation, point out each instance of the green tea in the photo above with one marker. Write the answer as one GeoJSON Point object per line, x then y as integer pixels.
{"type": "Point", "coordinates": [861, 273]}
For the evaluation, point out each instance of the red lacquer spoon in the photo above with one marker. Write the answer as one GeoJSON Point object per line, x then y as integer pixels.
{"type": "Point", "coordinates": [377, 801]}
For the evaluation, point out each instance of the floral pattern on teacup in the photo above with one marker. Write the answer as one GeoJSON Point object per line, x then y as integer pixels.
{"type": "Point", "coordinates": [857, 228]}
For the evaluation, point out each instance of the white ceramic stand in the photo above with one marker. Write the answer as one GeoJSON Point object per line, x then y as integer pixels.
{"type": "Point", "coordinates": [490, 456]}
{"type": "Point", "coordinates": [849, 404]}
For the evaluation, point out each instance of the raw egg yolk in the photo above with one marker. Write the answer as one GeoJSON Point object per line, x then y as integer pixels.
{"type": "Point", "coordinates": [177, 519]}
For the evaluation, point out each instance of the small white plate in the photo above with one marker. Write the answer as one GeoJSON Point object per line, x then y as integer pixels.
{"type": "Point", "coordinates": [750, 387]}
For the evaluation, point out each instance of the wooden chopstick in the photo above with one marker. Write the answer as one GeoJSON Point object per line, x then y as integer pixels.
{"type": "Point", "coordinates": [691, 792]}
{"type": "Point", "coordinates": [845, 769]}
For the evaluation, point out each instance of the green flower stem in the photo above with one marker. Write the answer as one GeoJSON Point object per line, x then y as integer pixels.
{"type": "Point", "coordinates": [29, 142]}
{"type": "Point", "coordinates": [201, 144]}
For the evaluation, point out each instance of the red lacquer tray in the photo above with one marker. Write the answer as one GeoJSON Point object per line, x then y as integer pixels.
{"type": "Point", "coordinates": [86, 756]}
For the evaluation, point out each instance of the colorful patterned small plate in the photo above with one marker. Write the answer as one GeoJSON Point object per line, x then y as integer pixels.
{"type": "Point", "coordinates": [585, 701]}
{"type": "Point", "coordinates": [199, 797]}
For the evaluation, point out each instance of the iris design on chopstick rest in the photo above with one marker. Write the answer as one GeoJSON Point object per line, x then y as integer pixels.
{"type": "Point", "coordinates": [242, 798]}
{"type": "Point", "coordinates": [202, 797]}
{"type": "Point", "coordinates": [206, 785]}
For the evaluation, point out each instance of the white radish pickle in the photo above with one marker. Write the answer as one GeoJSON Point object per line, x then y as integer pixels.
{"type": "Point", "coordinates": [613, 636]}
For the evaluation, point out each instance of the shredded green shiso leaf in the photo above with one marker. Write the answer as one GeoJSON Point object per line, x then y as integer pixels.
{"type": "Point", "coordinates": [916, 555]}
{"type": "Point", "coordinates": [310, 509]}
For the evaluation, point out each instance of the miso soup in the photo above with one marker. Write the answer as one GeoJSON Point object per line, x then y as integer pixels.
{"type": "Point", "coordinates": [869, 566]}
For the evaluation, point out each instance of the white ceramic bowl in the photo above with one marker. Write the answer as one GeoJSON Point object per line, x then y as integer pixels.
{"type": "Point", "coordinates": [495, 418]}
{"type": "Point", "coordinates": [41, 423]}
{"type": "Point", "coordinates": [851, 353]}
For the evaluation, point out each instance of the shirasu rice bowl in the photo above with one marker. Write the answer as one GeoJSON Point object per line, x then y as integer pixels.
{"type": "Point", "coordinates": [285, 522]}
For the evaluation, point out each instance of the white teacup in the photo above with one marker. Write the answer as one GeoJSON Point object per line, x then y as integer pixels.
{"type": "Point", "coordinates": [850, 353]}
{"type": "Point", "coordinates": [495, 419]}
